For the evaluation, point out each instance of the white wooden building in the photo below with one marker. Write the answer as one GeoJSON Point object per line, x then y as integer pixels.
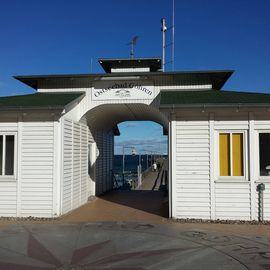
{"type": "Point", "coordinates": [57, 145]}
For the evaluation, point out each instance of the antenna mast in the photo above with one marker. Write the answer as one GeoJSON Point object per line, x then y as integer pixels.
{"type": "Point", "coordinates": [164, 45]}
{"type": "Point", "coordinates": [163, 30]}
{"type": "Point", "coordinates": [132, 43]}
{"type": "Point", "coordinates": [173, 35]}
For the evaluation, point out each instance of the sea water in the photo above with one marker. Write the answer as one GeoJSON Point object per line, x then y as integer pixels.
{"type": "Point", "coordinates": [131, 164]}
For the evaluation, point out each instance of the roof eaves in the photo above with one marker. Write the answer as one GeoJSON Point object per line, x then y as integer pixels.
{"type": "Point", "coordinates": [51, 76]}
{"type": "Point", "coordinates": [218, 76]}
{"type": "Point", "coordinates": [229, 74]}
{"type": "Point", "coordinates": [20, 102]}
{"type": "Point", "coordinates": [213, 105]}
{"type": "Point", "coordinates": [22, 108]}
{"type": "Point", "coordinates": [76, 100]}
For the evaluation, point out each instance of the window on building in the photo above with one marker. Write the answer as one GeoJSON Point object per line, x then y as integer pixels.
{"type": "Point", "coordinates": [264, 150]}
{"type": "Point", "coordinates": [231, 154]}
{"type": "Point", "coordinates": [7, 154]}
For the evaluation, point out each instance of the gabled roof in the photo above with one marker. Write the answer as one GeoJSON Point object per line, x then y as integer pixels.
{"type": "Point", "coordinates": [39, 101]}
{"type": "Point", "coordinates": [212, 98]}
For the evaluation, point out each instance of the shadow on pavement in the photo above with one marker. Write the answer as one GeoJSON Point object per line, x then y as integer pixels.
{"type": "Point", "coordinates": [149, 201]}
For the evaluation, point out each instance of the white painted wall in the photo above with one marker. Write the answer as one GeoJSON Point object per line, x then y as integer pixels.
{"type": "Point", "coordinates": [233, 200]}
{"type": "Point", "coordinates": [104, 161]}
{"type": "Point", "coordinates": [33, 189]}
{"type": "Point", "coordinates": [198, 191]}
{"type": "Point", "coordinates": [75, 165]}
{"type": "Point", "coordinates": [37, 169]}
{"type": "Point", "coordinates": [8, 187]}
{"type": "Point", "coordinates": [192, 185]}
{"type": "Point", "coordinates": [8, 198]}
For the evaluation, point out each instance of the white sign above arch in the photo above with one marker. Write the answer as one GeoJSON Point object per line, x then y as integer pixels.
{"type": "Point", "coordinates": [112, 90]}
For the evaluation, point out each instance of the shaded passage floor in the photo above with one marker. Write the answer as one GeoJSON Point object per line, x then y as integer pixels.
{"type": "Point", "coordinates": [146, 204]}
{"type": "Point", "coordinates": [123, 205]}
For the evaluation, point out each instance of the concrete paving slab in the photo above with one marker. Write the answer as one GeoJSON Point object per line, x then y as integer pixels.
{"type": "Point", "coordinates": [129, 230]}
{"type": "Point", "coordinates": [129, 245]}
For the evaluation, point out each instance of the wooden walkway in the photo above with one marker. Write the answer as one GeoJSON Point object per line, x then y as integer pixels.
{"type": "Point", "coordinates": [155, 180]}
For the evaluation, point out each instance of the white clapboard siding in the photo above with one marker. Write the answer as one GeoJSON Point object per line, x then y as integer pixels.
{"type": "Point", "coordinates": [233, 201]}
{"type": "Point", "coordinates": [76, 183]}
{"type": "Point", "coordinates": [192, 194]}
{"type": "Point", "coordinates": [8, 198]}
{"type": "Point", "coordinates": [266, 202]}
{"type": "Point", "coordinates": [231, 125]}
{"type": "Point", "coordinates": [67, 165]}
{"type": "Point", "coordinates": [98, 168]}
{"type": "Point", "coordinates": [262, 124]}
{"type": "Point", "coordinates": [37, 165]}
{"type": "Point", "coordinates": [110, 160]}
{"type": "Point", "coordinates": [111, 155]}
{"type": "Point", "coordinates": [75, 165]}
{"type": "Point", "coordinates": [8, 189]}
{"type": "Point", "coordinates": [8, 127]}
{"type": "Point", "coordinates": [104, 162]}
{"type": "Point", "coordinates": [84, 164]}
{"type": "Point", "coordinates": [92, 163]}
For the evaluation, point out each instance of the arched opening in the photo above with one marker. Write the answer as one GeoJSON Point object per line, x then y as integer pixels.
{"type": "Point", "coordinates": [140, 148]}
{"type": "Point", "coordinates": [129, 169]}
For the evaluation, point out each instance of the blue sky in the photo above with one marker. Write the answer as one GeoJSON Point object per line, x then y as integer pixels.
{"type": "Point", "coordinates": [61, 36]}
{"type": "Point", "coordinates": [144, 136]}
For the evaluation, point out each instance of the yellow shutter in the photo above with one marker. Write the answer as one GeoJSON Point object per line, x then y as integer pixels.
{"type": "Point", "coordinates": [224, 154]}
{"type": "Point", "coordinates": [237, 154]}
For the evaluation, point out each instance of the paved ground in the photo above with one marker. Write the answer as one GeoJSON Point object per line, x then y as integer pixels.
{"type": "Point", "coordinates": [124, 245]}
{"type": "Point", "coordinates": [129, 230]}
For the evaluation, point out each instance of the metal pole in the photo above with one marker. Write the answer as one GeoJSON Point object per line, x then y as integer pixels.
{"type": "Point", "coordinates": [260, 189]}
{"type": "Point", "coordinates": [173, 35]}
{"type": "Point", "coordinates": [163, 30]}
{"type": "Point", "coordinates": [123, 173]}
{"type": "Point", "coordinates": [139, 170]}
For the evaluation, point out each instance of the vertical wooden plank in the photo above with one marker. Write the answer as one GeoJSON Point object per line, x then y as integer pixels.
{"type": "Point", "coordinates": [170, 169]}
{"type": "Point", "coordinates": [212, 166]}
{"type": "Point", "coordinates": [253, 150]}
{"type": "Point", "coordinates": [62, 125]}
{"type": "Point", "coordinates": [19, 166]}
{"type": "Point", "coordinates": [72, 165]}
{"type": "Point", "coordinates": [173, 163]}
{"type": "Point", "coordinates": [56, 168]}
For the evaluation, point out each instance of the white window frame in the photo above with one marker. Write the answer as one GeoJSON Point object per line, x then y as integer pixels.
{"type": "Point", "coordinates": [245, 155]}
{"type": "Point", "coordinates": [257, 144]}
{"type": "Point", "coordinates": [3, 176]}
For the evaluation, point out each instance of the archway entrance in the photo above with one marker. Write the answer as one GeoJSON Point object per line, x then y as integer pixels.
{"type": "Point", "coordinates": [133, 172]}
